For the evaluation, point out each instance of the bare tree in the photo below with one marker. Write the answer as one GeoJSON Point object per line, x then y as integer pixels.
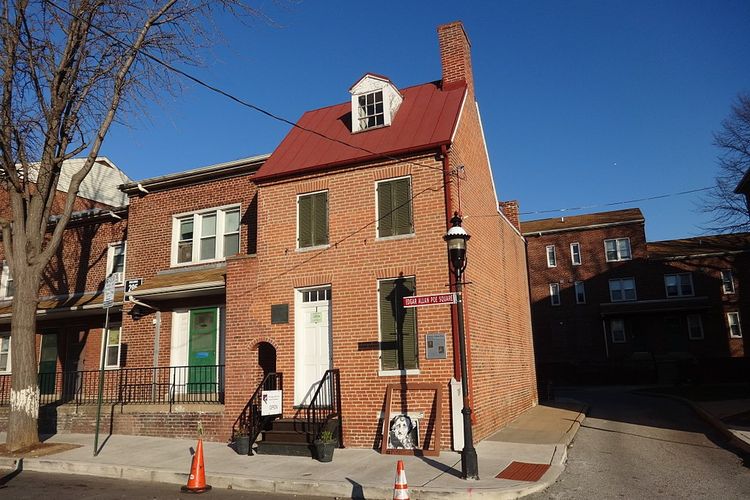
{"type": "Point", "coordinates": [730, 212]}
{"type": "Point", "coordinates": [67, 70]}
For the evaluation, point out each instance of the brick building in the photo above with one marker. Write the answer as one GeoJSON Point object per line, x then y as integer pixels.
{"type": "Point", "coordinates": [297, 263]}
{"type": "Point", "coordinates": [606, 301]}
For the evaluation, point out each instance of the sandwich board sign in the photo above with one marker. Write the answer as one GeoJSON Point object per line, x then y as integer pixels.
{"type": "Point", "coordinates": [270, 403]}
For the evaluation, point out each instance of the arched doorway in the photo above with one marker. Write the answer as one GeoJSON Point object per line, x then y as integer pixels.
{"type": "Point", "coordinates": [266, 358]}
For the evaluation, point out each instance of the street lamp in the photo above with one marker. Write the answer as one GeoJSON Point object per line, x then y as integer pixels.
{"type": "Point", "coordinates": [456, 239]}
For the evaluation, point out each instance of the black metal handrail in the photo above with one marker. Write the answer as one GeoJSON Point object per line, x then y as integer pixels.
{"type": "Point", "coordinates": [325, 404]}
{"type": "Point", "coordinates": [149, 385]}
{"type": "Point", "coordinates": [250, 422]}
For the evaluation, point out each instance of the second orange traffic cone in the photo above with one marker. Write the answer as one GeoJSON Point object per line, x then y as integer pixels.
{"type": "Point", "coordinates": [400, 488]}
{"type": "Point", "coordinates": [197, 479]}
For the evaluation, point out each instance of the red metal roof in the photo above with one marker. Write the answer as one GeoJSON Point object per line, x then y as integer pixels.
{"type": "Point", "coordinates": [426, 119]}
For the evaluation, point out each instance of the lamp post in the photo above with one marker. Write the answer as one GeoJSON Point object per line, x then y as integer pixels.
{"type": "Point", "coordinates": [456, 239]}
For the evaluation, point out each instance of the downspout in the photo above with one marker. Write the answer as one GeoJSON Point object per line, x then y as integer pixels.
{"type": "Point", "coordinates": [448, 192]}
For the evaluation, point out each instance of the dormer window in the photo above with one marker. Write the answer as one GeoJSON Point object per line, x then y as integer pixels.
{"type": "Point", "coordinates": [371, 110]}
{"type": "Point", "coordinates": [375, 101]}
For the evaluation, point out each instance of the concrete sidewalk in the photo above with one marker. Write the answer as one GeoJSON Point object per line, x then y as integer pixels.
{"type": "Point", "coordinates": [539, 436]}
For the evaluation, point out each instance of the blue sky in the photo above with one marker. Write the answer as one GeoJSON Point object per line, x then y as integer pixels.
{"type": "Point", "coordinates": [583, 102]}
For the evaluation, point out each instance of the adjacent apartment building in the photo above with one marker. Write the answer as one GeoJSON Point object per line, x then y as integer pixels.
{"type": "Point", "coordinates": [289, 270]}
{"type": "Point", "coordinates": [607, 302]}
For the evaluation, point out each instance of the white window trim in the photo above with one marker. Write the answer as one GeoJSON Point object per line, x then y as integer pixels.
{"type": "Point", "coordinates": [635, 291]}
{"type": "Point", "coordinates": [381, 371]}
{"type": "Point", "coordinates": [612, 332]}
{"type": "Point", "coordinates": [387, 118]}
{"type": "Point", "coordinates": [679, 286]}
{"type": "Point", "coordinates": [377, 211]}
{"type": "Point", "coordinates": [575, 290]}
{"type": "Point", "coordinates": [580, 257]}
{"type": "Point", "coordinates": [8, 367]}
{"type": "Point", "coordinates": [553, 295]}
{"type": "Point", "coordinates": [105, 344]}
{"type": "Point", "coordinates": [220, 211]}
{"type": "Point", "coordinates": [700, 327]}
{"type": "Point", "coordinates": [547, 255]}
{"type": "Point", "coordinates": [111, 258]}
{"type": "Point", "coordinates": [4, 278]}
{"type": "Point", "coordinates": [617, 249]}
{"type": "Point", "coordinates": [296, 231]}
{"type": "Point", "coordinates": [739, 324]}
{"type": "Point", "coordinates": [731, 280]}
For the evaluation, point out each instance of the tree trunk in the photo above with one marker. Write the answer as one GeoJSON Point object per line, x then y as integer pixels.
{"type": "Point", "coordinates": [24, 394]}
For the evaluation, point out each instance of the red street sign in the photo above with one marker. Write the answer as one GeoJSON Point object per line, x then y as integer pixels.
{"type": "Point", "coordinates": [436, 299]}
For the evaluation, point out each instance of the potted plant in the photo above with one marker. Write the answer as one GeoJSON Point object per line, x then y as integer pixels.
{"type": "Point", "coordinates": [242, 441]}
{"type": "Point", "coordinates": [324, 446]}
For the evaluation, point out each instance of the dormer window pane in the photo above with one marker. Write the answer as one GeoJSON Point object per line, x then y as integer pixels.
{"type": "Point", "coordinates": [371, 110]}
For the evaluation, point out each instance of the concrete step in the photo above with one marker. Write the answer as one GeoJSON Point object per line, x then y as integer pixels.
{"type": "Point", "coordinates": [287, 449]}
{"type": "Point", "coordinates": [275, 436]}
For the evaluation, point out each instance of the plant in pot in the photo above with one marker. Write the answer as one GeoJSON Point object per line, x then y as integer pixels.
{"type": "Point", "coordinates": [324, 446]}
{"type": "Point", "coordinates": [242, 441]}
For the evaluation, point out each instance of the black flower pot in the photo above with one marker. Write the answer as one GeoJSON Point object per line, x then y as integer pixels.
{"type": "Point", "coordinates": [242, 445]}
{"type": "Point", "coordinates": [324, 451]}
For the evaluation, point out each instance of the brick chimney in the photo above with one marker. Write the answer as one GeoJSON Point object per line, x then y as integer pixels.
{"type": "Point", "coordinates": [455, 55]}
{"type": "Point", "coordinates": [510, 210]}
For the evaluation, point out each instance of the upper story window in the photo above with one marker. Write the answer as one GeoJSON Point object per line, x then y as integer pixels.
{"type": "Point", "coordinates": [678, 285]}
{"type": "Point", "coordinates": [622, 289]}
{"type": "Point", "coordinates": [551, 256]}
{"type": "Point", "coordinates": [575, 254]}
{"type": "Point", "coordinates": [206, 236]}
{"type": "Point", "coordinates": [116, 260]}
{"type": "Point", "coordinates": [4, 353]}
{"type": "Point", "coordinates": [727, 281]}
{"type": "Point", "coordinates": [6, 282]}
{"type": "Point", "coordinates": [375, 101]}
{"type": "Point", "coordinates": [394, 207]}
{"type": "Point", "coordinates": [617, 249]}
{"type": "Point", "coordinates": [580, 292]}
{"type": "Point", "coordinates": [554, 294]}
{"type": "Point", "coordinates": [370, 110]}
{"type": "Point", "coordinates": [312, 220]}
{"type": "Point", "coordinates": [733, 320]}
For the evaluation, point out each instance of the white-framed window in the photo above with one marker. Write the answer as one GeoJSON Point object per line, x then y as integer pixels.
{"type": "Point", "coordinates": [206, 236]}
{"type": "Point", "coordinates": [116, 260]}
{"type": "Point", "coordinates": [617, 331]}
{"type": "Point", "coordinates": [580, 292]}
{"type": "Point", "coordinates": [575, 254]}
{"type": "Point", "coordinates": [678, 285]}
{"type": "Point", "coordinates": [735, 329]}
{"type": "Point", "coordinates": [554, 294]}
{"type": "Point", "coordinates": [370, 110]}
{"type": "Point", "coordinates": [622, 289]}
{"type": "Point", "coordinates": [727, 281]}
{"type": "Point", "coordinates": [551, 256]}
{"type": "Point", "coordinates": [4, 353]}
{"type": "Point", "coordinates": [6, 282]}
{"type": "Point", "coordinates": [112, 340]}
{"type": "Point", "coordinates": [617, 249]}
{"type": "Point", "coordinates": [695, 327]}
{"type": "Point", "coordinates": [394, 207]}
{"type": "Point", "coordinates": [312, 219]}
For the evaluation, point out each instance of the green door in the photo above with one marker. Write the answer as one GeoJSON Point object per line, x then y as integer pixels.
{"type": "Point", "coordinates": [202, 350]}
{"type": "Point", "coordinates": [48, 363]}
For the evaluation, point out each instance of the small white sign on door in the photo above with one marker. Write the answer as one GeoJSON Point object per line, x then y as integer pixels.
{"type": "Point", "coordinates": [270, 403]}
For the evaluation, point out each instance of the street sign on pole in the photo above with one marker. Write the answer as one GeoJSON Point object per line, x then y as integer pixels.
{"type": "Point", "coordinates": [435, 299]}
{"type": "Point", "coordinates": [109, 291]}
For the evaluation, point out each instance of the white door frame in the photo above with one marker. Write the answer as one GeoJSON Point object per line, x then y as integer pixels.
{"type": "Point", "coordinates": [302, 382]}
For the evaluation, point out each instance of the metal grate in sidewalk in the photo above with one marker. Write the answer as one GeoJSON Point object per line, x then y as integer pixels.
{"type": "Point", "coordinates": [522, 471]}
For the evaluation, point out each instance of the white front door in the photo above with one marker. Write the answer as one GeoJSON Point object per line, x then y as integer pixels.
{"type": "Point", "coordinates": [312, 345]}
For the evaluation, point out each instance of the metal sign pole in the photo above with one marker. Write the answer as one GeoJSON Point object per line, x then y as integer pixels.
{"type": "Point", "coordinates": [107, 302]}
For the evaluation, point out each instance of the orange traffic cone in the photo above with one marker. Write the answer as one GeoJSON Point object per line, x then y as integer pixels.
{"type": "Point", "coordinates": [197, 479]}
{"type": "Point", "coordinates": [400, 489]}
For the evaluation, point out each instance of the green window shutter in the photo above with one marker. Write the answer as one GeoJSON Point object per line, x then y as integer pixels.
{"type": "Point", "coordinates": [398, 325]}
{"type": "Point", "coordinates": [402, 223]}
{"type": "Point", "coordinates": [320, 219]}
{"type": "Point", "coordinates": [385, 207]}
{"type": "Point", "coordinates": [304, 215]}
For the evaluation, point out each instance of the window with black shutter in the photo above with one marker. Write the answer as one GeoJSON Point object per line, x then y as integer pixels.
{"type": "Point", "coordinates": [398, 325]}
{"type": "Point", "coordinates": [394, 207]}
{"type": "Point", "coordinates": [313, 220]}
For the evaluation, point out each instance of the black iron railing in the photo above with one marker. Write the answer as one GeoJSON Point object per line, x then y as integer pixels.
{"type": "Point", "coordinates": [325, 404]}
{"type": "Point", "coordinates": [156, 385]}
{"type": "Point", "coordinates": [250, 421]}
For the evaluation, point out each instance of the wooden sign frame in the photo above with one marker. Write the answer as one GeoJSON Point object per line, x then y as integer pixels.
{"type": "Point", "coordinates": [438, 418]}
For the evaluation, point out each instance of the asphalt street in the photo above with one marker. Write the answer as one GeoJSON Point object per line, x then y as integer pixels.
{"type": "Point", "coordinates": [637, 446]}
{"type": "Point", "coordinates": [35, 485]}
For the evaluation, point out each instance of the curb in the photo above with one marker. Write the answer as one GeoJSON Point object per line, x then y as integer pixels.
{"type": "Point", "coordinates": [709, 418]}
